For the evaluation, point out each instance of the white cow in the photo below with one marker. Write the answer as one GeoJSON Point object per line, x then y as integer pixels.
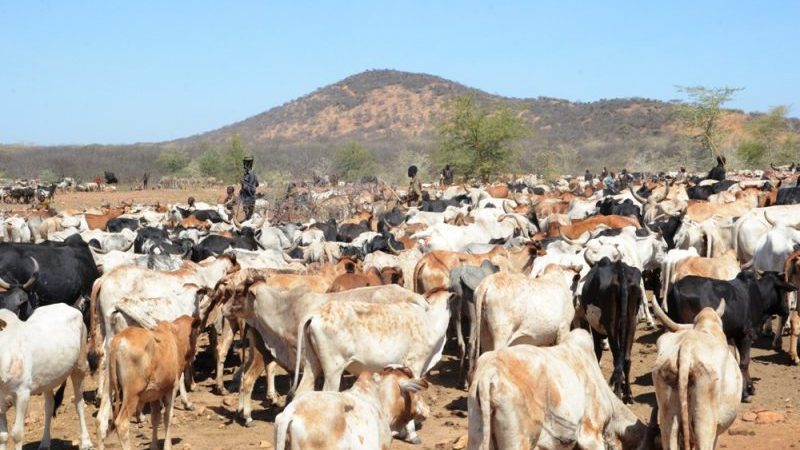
{"type": "Point", "coordinates": [37, 356]}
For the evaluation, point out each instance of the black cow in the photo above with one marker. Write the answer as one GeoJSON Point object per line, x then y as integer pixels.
{"type": "Point", "coordinates": [718, 171]}
{"type": "Point", "coordinates": [703, 192]}
{"type": "Point", "coordinates": [110, 178]}
{"type": "Point", "coordinates": [668, 229]}
{"type": "Point", "coordinates": [748, 302]}
{"type": "Point", "coordinates": [329, 229]}
{"type": "Point", "coordinates": [609, 206]}
{"type": "Point", "coordinates": [612, 289]}
{"type": "Point", "coordinates": [215, 244]}
{"type": "Point", "coordinates": [390, 219]}
{"type": "Point", "coordinates": [349, 231]}
{"type": "Point", "coordinates": [117, 224]}
{"type": "Point", "coordinates": [152, 234]}
{"type": "Point", "coordinates": [788, 195]}
{"type": "Point", "coordinates": [384, 242]}
{"type": "Point", "coordinates": [438, 205]}
{"type": "Point", "coordinates": [202, 214]}
{"type": "Point", "coordinates": [47, 273]}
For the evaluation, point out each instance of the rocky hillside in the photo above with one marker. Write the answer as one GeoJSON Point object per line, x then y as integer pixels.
{"type": "Point", "coordinates": [395, 115]}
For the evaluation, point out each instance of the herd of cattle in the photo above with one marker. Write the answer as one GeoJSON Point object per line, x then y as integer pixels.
{"type": "Point", "coordinates": [531, 281]}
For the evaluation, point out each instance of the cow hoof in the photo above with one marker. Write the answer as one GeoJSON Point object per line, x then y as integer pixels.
{"type": "Point", "coordinates": [250, 423]}
{"type": "Point", "coordinates": [413, 441]}
{"type": "Point", "coordinates": [747, 398]}
{"type": "Point", "coordinates": [218, 390]}
{"type": "Point", "coordinates": [189, 407]}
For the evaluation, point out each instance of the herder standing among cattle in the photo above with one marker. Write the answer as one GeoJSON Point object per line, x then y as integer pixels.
{"type": "Point", "coordinates": [718, 171]}
{"type": "Point", "coordinates": [247, 192]}
{"type": "Point", "coordinates": [447, 175]}
{"type": "Point", "coordinates": [414, 196]}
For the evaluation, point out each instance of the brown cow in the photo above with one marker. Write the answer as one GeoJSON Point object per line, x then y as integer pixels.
{"type": "Point", "coordinates": [372, 277]}
{"type": "Point", "coordinates": [99, 221]}
{"type": "Point", "coordinates": [194, 222]}
{"type": "Point", "coordinates": [578, 228]}
{"type": "Point", "coordinates": [145, 366]}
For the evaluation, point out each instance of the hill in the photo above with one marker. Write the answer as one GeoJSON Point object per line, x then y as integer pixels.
{"type": "Point", "coordinates": [395, 114]}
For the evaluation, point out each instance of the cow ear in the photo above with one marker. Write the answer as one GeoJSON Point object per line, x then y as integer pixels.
{"type": "Point", "coordinates": [2, 324]}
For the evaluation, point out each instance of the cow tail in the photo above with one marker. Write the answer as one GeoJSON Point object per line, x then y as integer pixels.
{"type": "Point", "coordinates": [476, 337]}
{"type": "Point", "coordinates": [684, 365]}
{"type": "Point", "coordinates": [418, 285]}
{"type": "Point", "coordinates": [93, 355]}
{"type": "Point", "coordinates": [59, 397]}
{"type": "Point", "coordinates": [301, 336]}
{"type": "Point", "coordinates": [666, 281]}
{"type": "Point", "coordinates": [282, 434]}
{"type": "Point", "coordinates": [114, 387]}
{"type": "Point", "coordinates": [484, 394]}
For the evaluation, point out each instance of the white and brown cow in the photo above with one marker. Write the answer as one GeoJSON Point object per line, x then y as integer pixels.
{"type": "Point", "coordinates": [36, 357]}
{"type": "Point", "coordinates": [526, 397]}
{"type": "Point", "coordinates": [697, 381]}
{"type": "Point", "coordinates": [363, 417]}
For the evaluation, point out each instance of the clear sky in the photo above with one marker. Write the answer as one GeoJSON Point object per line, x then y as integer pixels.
{"type": "Point", "coordinates": [79, 72]}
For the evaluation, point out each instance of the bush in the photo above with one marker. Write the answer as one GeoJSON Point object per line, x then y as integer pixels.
{"type": "Point", "coordinates": [172, 161]}
{"type": "Point", "coordinates": [47, 176]}
{"type": "Point", "coordinates": [353, 161]}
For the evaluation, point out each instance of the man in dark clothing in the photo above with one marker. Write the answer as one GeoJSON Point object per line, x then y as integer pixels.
{"type": "Point", "coordinates": [447, 175]}
{"type": "Point", "coordinates": [718, 171]}
{"type": "Point", "coordinates": [414, 195]}
{"type": "Point", "coordinates": [604, 174]}
{"type": "Point", "coordinates": [588, 176]}
{"type": "Point", "coordinates": [145, 179]}
{"type": "Point", "coordinates": [247, 191]}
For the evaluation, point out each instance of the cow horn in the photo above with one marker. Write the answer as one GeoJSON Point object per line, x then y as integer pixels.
{"type": "Point", "coordinates": [769, 221]}
{"type": "Point", "coordinates": [34, 275]}
{"type": "Point", "coordinates": [506, 207]}
{"type": "Point", "coordinates": [392, 250]}
{"type": "Point", "coordinates": [100, 250]}
{"type": "Point", "coordinates": [669, 323]}
{"type": "Point", "coordinates": [4, 284]}
{"type": "Point", "coordinates": [638, 198]}
{"type": "Point", "coordinates": [573, 242]}
{"type": "Point", "coordinates": [721, 308]}
{"type": "Point", "coordinates": [589, 262]}
{"type": "Point", "coordinates": [773, 166]}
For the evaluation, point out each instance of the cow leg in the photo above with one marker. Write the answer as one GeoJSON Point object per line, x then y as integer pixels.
{"type": "Point", "coordinates": [409, 434]}
{"type": "Point", "coordinates": [748, 390]}
{"type": "Point", "coordinates": [223, 345]}
{"type": "Point", "coordinates": [18, 430]}
{"type": "Point", "coordinates": [616, 375]}
{"type": "Point", "coordinates": [645, 307]}
{"type": "Point", "coordinates": [187, 405]}
{"type": "Point", "coordinates": [49, 406]}
{"type": "Point", "coordinates": [777, 339]}
{"type": "Point", "coordinates": [3, 425]}
{"type": "Point", "coordinates": [103, 413]}
{"type": "Point", "coordinates": [272, 394]}
{"type": "Point", "coordinates": [155, 419]}
{"type": "Point", "coordinates": [254, 366]}
{"type": "Point", "coordinates": [599, 342]}
{"type": "Point", "coordinates": [459, 333]}
{"type": "Point", "coordinates": [77, 377]}
{"type": "Point", "coordinates": [188, 378]}
{"type": "Point", "coordinates": [169, 407]}
{"type": "Point", "coordinates": [794, 332]}
{"type": "Point", "coordinates": [122, 422]}
{"type": "Point", "coordinates": [333, 377]}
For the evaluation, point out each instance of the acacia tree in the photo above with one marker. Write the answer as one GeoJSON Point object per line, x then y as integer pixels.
{"type": "Point", "coordinates": [353, 161]}
{"type": "Point", "coordinates": [478, 141]}
{"type": "Point", "coordinates": [699, 117]}
{"type": "Point", "coordinates": [770, 139]}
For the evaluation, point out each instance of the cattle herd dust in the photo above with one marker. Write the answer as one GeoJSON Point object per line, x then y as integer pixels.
{"type": "Point", "coordinates": [345, 316]}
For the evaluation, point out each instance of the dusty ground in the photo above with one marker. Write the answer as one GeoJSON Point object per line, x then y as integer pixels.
{"type": "Point", "coordinates": [212, 424]}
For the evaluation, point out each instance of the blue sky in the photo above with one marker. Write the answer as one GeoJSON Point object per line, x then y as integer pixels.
{"type": "Point", "coordinates": [141, 71]}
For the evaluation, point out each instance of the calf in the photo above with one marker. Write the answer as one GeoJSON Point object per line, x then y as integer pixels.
{"type": "Point", "coordinates": [749, 302]}
{"type": "Point", "coordinates": [698, 387]}
{"type": "Point", "coordinates": [610, 298]}
{"type": "Point", "coordinates": [363, 417]}
{"type": "Point", "coordinates": [145, 366]}
{"type": "Point", "coordinates": [37, 356]}
{"type": "Point", "coordinates": [547, 397]}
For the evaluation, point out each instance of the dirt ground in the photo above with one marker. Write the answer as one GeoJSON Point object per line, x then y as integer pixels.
{"type": "Point", "coordinates": [212, 424]}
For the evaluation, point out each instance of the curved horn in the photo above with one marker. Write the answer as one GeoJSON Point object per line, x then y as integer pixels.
{"type": "Point", "coordinates": [573, 242]}
{"type": "Point", "coordinates": [589, 262]}
{"type": "Point", "coordinates": [34, 275]}
{"type": "Point", "coordinates": [647, 227]}
{"type": "Point", "coordinates": [638, 198]}
{"type": "Point", "coordinates": [100, 250]}
{"type": "Point", "coordinates": [392, 250]}
{"type": "Point", "coordinates": [506, 207]}
{"type": "Point", "coordinates": [4, 284]}
{"type": "Point", "coordinates": [721, 308]}
{"type": "Point", "coordinates": [669, 323]}
{"type": "Point", "coordinates": [769, 221]}
{"type": "Point", "coordinates": [773, 166]}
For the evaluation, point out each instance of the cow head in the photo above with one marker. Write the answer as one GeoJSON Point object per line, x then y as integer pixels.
{"type": "Point", "coordinates": [772, 287]}
{"type": "Point", "coordinates": [19, 298]}
{"type": "Point", "coordinates": [399, 394]}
